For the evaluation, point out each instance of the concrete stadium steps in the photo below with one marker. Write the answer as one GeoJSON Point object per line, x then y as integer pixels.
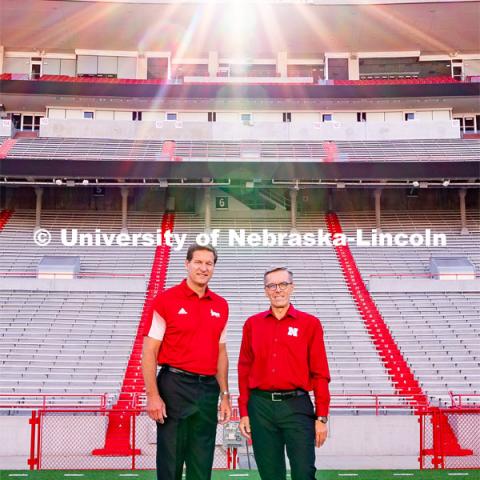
{"type": "Point", "coordinates": [66, 342]}
{"type": "Point", "coordinates": [320, 289]}
{"type": "Point", "coordinates": [439, 336]}
{"type": "Point", "coordinates": [21, 254]}
{"type": "Point", "coordinates": [437, 333]}
{"type": "Point", "coordinates": [425, 150]}
{"type": "Point", "coordinates": [412, 260]}
{"type": "Point", "coordinates": [77, 341]}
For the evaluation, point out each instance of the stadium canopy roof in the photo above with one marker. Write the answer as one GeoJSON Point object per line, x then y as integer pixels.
{"type": "Point", "coordinates": [243, 29]}
{"type": "Point", "coordinates": [309, 2]}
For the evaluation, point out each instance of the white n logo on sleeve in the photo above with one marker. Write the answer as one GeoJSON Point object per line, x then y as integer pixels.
{"type": "Point", "coordinates": [293, 332]}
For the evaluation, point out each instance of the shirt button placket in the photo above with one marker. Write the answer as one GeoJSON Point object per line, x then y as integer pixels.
{"type": "Point", "coordinates": [274, 353]}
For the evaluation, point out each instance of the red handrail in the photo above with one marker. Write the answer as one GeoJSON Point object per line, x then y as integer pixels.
{"type": "Point", "coordinates": [460, 396]}
{"type": "Point", "coordinates": [138, 401]}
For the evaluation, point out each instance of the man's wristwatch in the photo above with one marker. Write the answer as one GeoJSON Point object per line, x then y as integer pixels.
{"type": "Point", "coordinates": [323, 419]}
{"type": "Point", "coordinates": [225, 394]}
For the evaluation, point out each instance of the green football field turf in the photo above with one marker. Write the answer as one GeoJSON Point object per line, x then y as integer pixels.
{"type": "Point", "coordinates": [244, 474]}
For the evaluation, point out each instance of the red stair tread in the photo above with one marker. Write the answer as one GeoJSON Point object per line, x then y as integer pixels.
{"type": "Point", "coordinates": [402, 377]}
{"type": "Point", "coordinates": [117, 440]}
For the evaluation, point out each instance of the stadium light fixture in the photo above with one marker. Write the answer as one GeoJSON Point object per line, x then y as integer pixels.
{"type": "Point", "coordinates": [85, 182]}
{"type": "Point", "coordinates": [446, 183]}
{"type": "Point", "coordinates": [58, 181]}
{"type": "Point", "coordinates": [416, 183]}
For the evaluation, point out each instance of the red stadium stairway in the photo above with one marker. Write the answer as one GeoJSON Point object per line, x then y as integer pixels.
{"type": "Point", "coordinates": [168, 150]}
{"type": "Point", "coordinates": [6, 146]}
{"type": "Point", "coordinates": [117, 441]}
{"type": "Point", "coordinates": [4, 218]}
{"type": "Point", "coordinates": [402, 377]}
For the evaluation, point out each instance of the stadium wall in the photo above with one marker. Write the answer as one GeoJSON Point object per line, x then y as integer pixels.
{"type": "Point", "coordinates": [265, 126]}
{"type": "Point", "coordinates": [14, 442]}
{"type": "Point", "coordinates": [363, 441]}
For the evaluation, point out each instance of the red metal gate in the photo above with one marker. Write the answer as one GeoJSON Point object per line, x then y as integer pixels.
{"type": "Point", "coordinates": [438, 451]}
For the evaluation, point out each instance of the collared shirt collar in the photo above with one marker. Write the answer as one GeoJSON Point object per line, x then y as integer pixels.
{"type": "Point", "coordinates": [291, 312]}
{"type": "Point", "coordinates": [189, 292]}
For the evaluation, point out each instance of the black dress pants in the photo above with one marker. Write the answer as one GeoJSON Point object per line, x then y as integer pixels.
{"type": "Point", "coordinates": [188, 434]}
{"type": "Point", "coordinates": [277, 425]}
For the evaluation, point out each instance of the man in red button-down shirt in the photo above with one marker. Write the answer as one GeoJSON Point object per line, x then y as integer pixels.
{"type": "Point", "coordinates": [186, 336]}
{"type": "Point", "coordinates": [282, 358]}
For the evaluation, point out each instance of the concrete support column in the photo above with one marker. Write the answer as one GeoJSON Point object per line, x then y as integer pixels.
{"type": "Point", "coordinates": [38, 207]}
{"type": "Point", "coordinates": [462, 193]}
{"type": "Point", "coordinates": [212, 64]}
{"type": "Point", "coordinates": [330, 200]}
{"type": "Point", "coordinates": [353, 69]}
{"type": "Point", "coordinates": [208, 209]}
{"type": "Point", "coordinates": [282, 64]}
{"type": "Point", "coordinates": [124, 192]}
{"type": "Point", "coordinates": [2, 53]}
{"type": "Point", "coordinates": [293, 209]}
{"type": "Point", "coordinates": [142, 67]}
{"type": "Point", "coordinates": [378, 195]}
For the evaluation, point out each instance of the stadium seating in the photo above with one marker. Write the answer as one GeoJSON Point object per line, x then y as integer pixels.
{"type": "Point", "coordinates": [412, 260]}
{"type": "Point", "coordinates": [398, 81]}
{"type": "Point", "coordinates": [375, 81]}
{"type": "Point", "coordinates": [77, 349]}
{"type": "Point", "coordinates": [20, 254]}
{"type": "Point", "coordinates": [354, 363]}
{"type": "Point", "coordinates": [130, 81]}
{"type": "Point", "coordinates": [438, 333]}
{"type": "Point", "coordinates": [450, 150]}
{"type": "Point", "coordinates": [66, 342]}
{"type": "Point", "coordinates": [69, 342]}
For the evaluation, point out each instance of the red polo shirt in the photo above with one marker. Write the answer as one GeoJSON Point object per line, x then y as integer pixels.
{"type": "Point", "coordinates": [284, 354]}
{"type": "Point", "coordinates": [193, 326]}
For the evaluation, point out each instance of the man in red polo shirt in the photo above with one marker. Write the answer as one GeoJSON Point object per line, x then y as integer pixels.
{"type": "Point", "coordinates": [186, 336]}
{"type": "Point", "coordinates": [282, 358]}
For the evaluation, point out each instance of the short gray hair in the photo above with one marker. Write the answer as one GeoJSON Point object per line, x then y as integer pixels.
{"type": "Point", "coordinates": [278, 269]}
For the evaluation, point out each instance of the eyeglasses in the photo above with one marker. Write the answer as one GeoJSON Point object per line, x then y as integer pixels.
{"type": "Point", "coordinates": [271, 287]}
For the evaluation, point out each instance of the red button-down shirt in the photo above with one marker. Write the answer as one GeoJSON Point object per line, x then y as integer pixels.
{"type": "Point", "coordinates": [193, 327]}
{"type": "Point", "coordinates": [285, 354]}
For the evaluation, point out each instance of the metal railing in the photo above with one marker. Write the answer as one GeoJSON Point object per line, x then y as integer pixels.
{"type": "Point", "coordinates": [71, 436]}
{"type": "Point", "coordinates": [81, 275]}
{"type": "Point", "coordinates": [48, 401]}
{"type": "Point", "coordinates": [457, 399]}
{"type": "Point", "coordinates": [421, 275]}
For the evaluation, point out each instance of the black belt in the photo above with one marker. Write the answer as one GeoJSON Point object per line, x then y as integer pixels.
{"type": "Point", "coordinates": [279, 396]}
{"type": "Point", "coordinates": [185, 373]}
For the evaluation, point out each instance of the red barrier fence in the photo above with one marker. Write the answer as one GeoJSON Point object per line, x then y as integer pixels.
{"type": "Point", "coordinates": [64, 437]}
{"type": "Point", "coordinates": [435, 452]}
{"type": "Point", "coordinates": [351, 402]}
